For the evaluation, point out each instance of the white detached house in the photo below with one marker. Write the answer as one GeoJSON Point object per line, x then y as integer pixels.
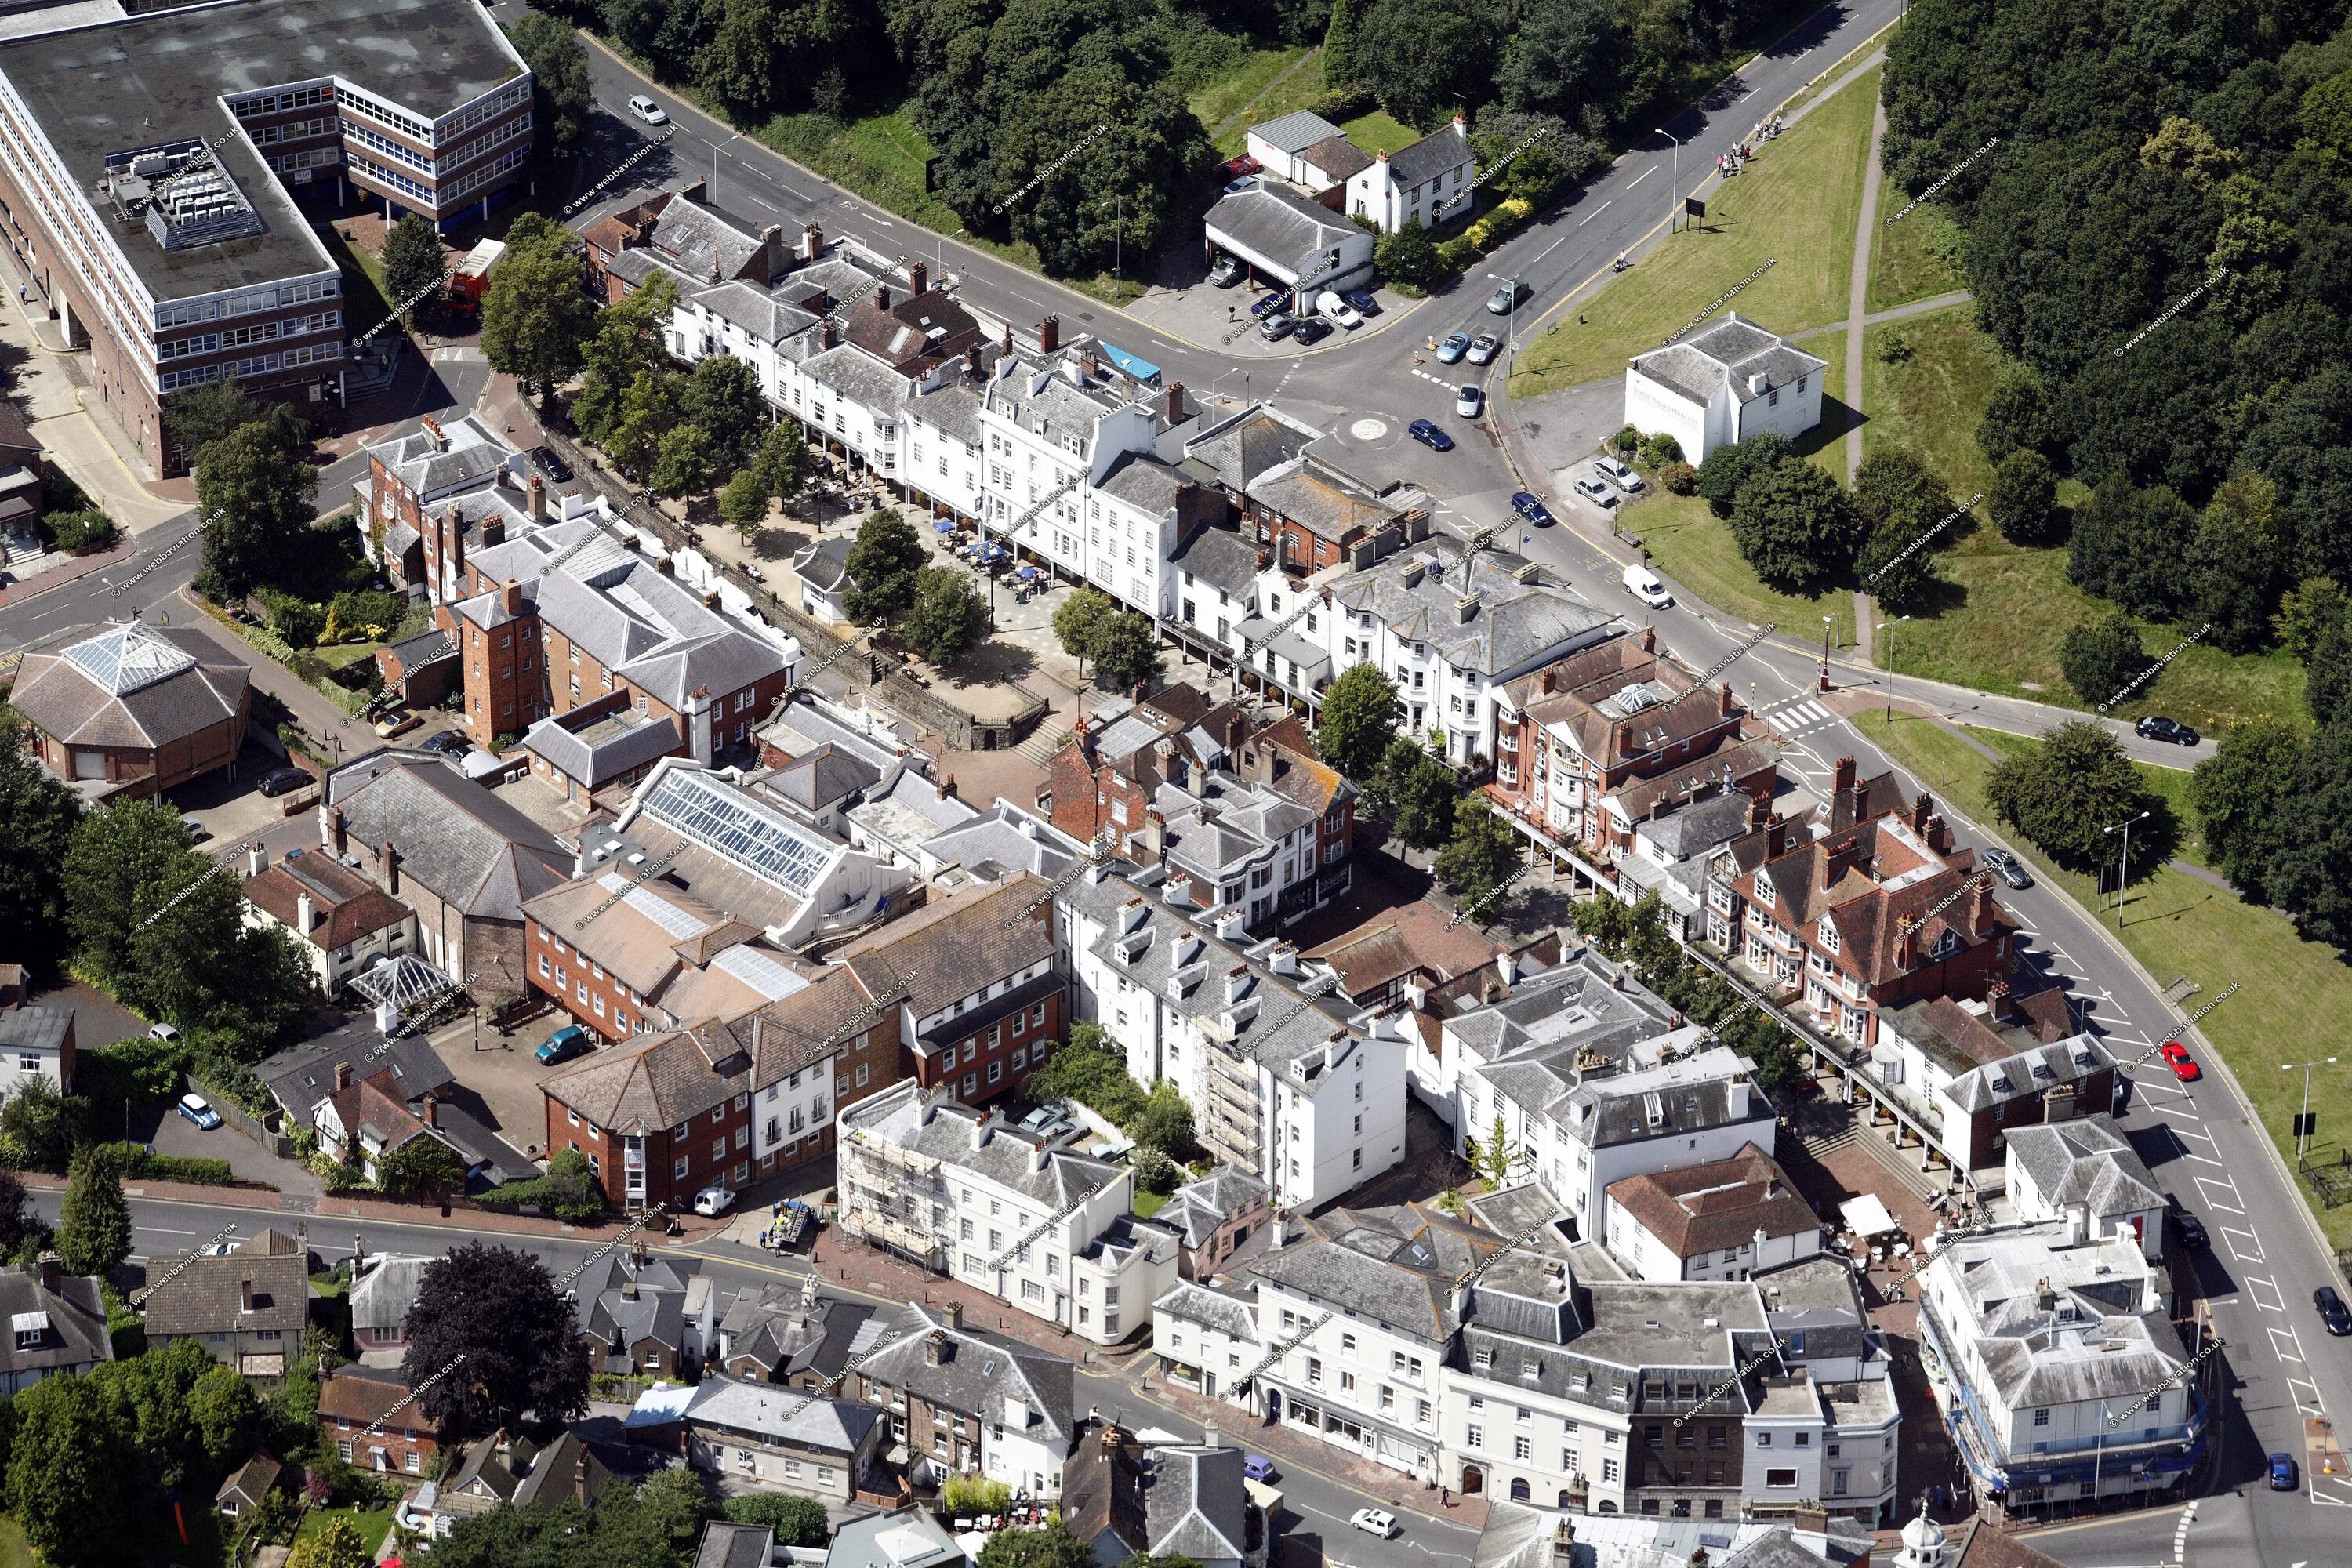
{"type": "Point", "coordinates": [1723, 385]}
{"type": "Point", "coordinates": [1417, 184]}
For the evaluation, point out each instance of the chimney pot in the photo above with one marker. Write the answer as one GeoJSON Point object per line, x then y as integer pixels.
{"type": "Point", "coordinates": [1842, 776]}
{"type": "Point", "coordinates": [537, 504]}
{"type": "Point", "coordinates": [948, 787]}
{"type": "Point", "coordinates": [432, 1111]}
{"type": "Point", "coordinates": [1175, 401]}
{"type": "Point", "coordinates": [919, 278]}
{"type": "Point", "coordinates": [1049, 335]}
{"type": "Point", "coordinates": [812, 242]}
{"type": "Point", "coordinates": [954, 1312]}
{"type": "Point", "coordinates": [881, 296]}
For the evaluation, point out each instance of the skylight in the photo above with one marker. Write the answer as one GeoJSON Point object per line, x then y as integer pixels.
{"type": "Point", "coordinates": [128, 657]}
{"type": "Point", "coordinates": [727, 822]}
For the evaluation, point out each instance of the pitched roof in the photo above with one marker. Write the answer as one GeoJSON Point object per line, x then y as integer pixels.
{"type": "Point", "coordinates": [1197, 1507]}
{"type": "Point", "coordinates": [375, 1104]}
{"type": "Point", "coordinates": [250, 1482]}
{"type": "Point", "coordinates": [1202, 1205]}
{"type": "Point", "coordinates": [1102, 1489]}
{"type": "Point", "coordinates": [979, 942]}
{"type": "Point", "coordinates": [127, 684]}
{"type": "Point", "coordinates": [195, 1294]}
{"type": "Point", "coordinates": [1410, 938]}
{"type": "Point", "coordinates": [369, 1394]}
{"type": "Point", "coordinates": [2085, 1161]}
{"type": "Point", "coordinates": [70, 1320]}
{"type": "Point", "coordinates": [1277, 223]}
{"type": "Point", "coordinates": [1515, 619]}
{"type": "Point", "coordinates": [344, 905]}
{"type": "Point", "coordinates": [977, 1372]}
{"type": "Point", "coordinates": [1716, 1206]}
{"type": "Point", "coordinates": [301, 1076]}
{"type": "Point", "coordinates": [1725, 356]}
{"type": "Point", "coordinates": [1447, 147]}
{"type": "Point", "coordinates": [1336, 157]}
{"type": "Point", "coordinates": [381, 1297]}
{"type": "Point", "coordinates": [776, 1415]}
{"type": "Point", "coordinates": [653, 1081]}
{"type": "Point", "coordinates": [466, 844]}
{"type": "Point", "coordinates": [1296, 132]}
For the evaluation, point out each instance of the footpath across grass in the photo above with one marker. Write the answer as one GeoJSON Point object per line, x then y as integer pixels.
{"type": "Point", "coordinates": [2180, 926]}
{"type": "Point", "coordinates": [1796, 207]}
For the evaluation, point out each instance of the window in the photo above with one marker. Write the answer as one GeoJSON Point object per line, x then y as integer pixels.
{"type": "Point", "coordinates": [28, 1061]}
{"type": "Point", "coordinates": [2042, 1418]}
{"type": "Point", "coordinates": [1780, 1478]}
{"type": "Point", "coordinates": [1474, 1437]}
{"type": "Point", "coordinates": [1522, 1449]}
{"type": "Point", "coordinates": [1763, 1439]}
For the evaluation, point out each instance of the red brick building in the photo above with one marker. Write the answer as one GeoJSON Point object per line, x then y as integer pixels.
{"type": "Point", "coordinates": [352, 1399]}
{"type": "Point", "coordinates": [980, 1002]}
{"type": "Point", "coordinates": [128, 711]}
{"type": "Point", "coordinates": [1310, 515]}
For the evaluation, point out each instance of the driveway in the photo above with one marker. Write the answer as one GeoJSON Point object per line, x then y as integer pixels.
{"type": "Point", "coordinates": [505, 1075]}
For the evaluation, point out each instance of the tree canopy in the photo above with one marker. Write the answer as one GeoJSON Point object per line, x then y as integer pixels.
{"type": "Point", "coordinates": [1795, 526]}
{"type": "Point", "coordinates": [537, 315]}
{"type": "Point", "coordinates": [491, 1330]}
{"type": "Point", "coordinates": [2068, 791]}
{"type": "Point", "coordinates": [559, 84]}
{"type": "Point", "coordinates": [882, 564]}
{"type": "Point", "coordinates": [949, 618]}
{"type": "Point", "coordinates": [1479, 860]}
{"type": "Point", "coordinates": [255, 494]}
{"type": "Point", "coordinates": [1359, 721]}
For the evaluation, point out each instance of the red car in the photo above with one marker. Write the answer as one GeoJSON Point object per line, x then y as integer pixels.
{"type": "Point", "coordinates": [2183, 1065]}
{"type": "Point", "coordinates": [1235, 168]}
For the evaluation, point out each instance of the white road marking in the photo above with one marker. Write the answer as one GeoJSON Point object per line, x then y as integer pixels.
{"type": "Point", "coordinates": [2254, 1287]}
{"type": "Point", "coordinates": [1645, 174]}
{"type": "Point", "coordinates": [2230, 1235]}
{"type": "Point", "coordinates": [1595, 212]}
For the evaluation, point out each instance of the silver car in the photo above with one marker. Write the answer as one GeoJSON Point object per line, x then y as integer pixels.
{"type": "Point", "coordinates": [1618, 474]}
{"type": "Point", "coordinates": [1482, 348]}
{"type": "Point", "coordinates": [1593, 490]}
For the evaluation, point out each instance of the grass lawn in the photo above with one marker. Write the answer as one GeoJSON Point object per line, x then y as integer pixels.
{"type": "Point", "coordinates": [1795, 207]}
{"type": "Point", "coordinates": [1932, 401]}
{"type": "Point", "coordinates": [14, 1552]}
{"type": "Point", "coordinates": [373, 1524]}
{"type": "Point", "coordinates": [1377, 133]}
{"type": "Point", "coordinates": [2177, 926]}
{"type": "Point", "coordinates": [1902, 266]}
{"type": "Point", "coordinates": [348, 653]}
{"type": "Point", "coordinates": [1146, 1204]}
{"type": "Point", "coordinates": [365, 301]}
{"type": "Point", "coordinates": [1223, 106]}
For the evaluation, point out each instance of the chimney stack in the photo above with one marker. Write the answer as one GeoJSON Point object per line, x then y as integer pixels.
{"type": "Point", "coordinates": [1724, 703]}
{"type": "Point", "coordinates": [628, 1290]}
{"type": "Point", "coordinates": [954, 1312]}
{"type": "Point", "coordinates": [1842, 776]}
{"type": "Point", "coordinates": [494, 529]}
{"type": "Point", "coordinates": [245, 1294]}
{"type": "Point", "coordinates": [339, 828]}
{"type": "Point", "coordinates": [1175, 402]}
{"type": "Point", "coordinates": [882, 296]}
{"type": "Point", "coordinates": [1649, 639]}
{"type": "Point", "coordinates": [432, 1109]}
{"type": "Point", "coordinates": [342, 1075]}
{"type": "Point", "coordinates": [934, 1349]}
{"type": "Point", "coordinates": [1922, 808]}
{"type": "Point", "coordinates": [304, 914]}
{"type": "Point", "coordinates": [829, 335]}
{"type": "Point", "coordinates": [456, 548]}
{"type": "Point", "coordinates": [510, 598]}
{"type": "Point", "coordinates": [52, 1271]}
{"type": "Point", "coordinates": [435, 437]}
{"type": "Point", "coordinates": [948, 787]}
{"type": "Point", "coordinates": [391, 870]}
{"type": "Point", "coordinates": [917, 279]}
{"type": "Point", "coordinates": [535, 502]}
{"type": "Point", "coordinates": [772, 246]}
{"type": "Point", "coordinates": [812, 242]}
{"type": "Point", "coordinates": [257, 860]}
{"type": "Point", "coordinates": [1049, 335]}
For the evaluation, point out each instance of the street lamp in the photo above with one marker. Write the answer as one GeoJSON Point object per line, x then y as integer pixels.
{"type": "Point", "coordinates": [1825, 653]}
{"type": "Point", "coordinates": [1887, 674]}
{"type": "Point", "coordinates": [1675, 204]}
{"type": "Point", "coordinates": [2302, 1137]}
{"type": "Point", "coordinates": [2122, 868]}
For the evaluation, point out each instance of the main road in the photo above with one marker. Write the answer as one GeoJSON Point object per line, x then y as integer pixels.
{"type": "Point", "coordinates": [1319, 1505]}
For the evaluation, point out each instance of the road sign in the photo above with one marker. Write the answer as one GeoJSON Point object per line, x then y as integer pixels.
{"type": "Point", "coordinates": [1695, 208]}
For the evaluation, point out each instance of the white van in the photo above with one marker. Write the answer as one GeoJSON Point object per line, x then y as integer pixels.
{"type": "Point", "coordinates": [1331, 307]}
{"type": "Point", "coordinates": [1645, 586]}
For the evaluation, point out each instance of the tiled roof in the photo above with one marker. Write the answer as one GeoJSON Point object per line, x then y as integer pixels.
{"type": "Point", "coordinates": [367, 1394]}
{"type": "Point", "coordinates": [653, 1081]}
{"type": "Point", "coordinates": [1411, 937]}
{"type": "Point", "coordinates": [978, 1372]}
{"type": "Point", "coordinates": [1696, 1209]}
{"type": "Point", "coordinates": [173, 682]}
{"type": "Point", "coordinates": [74, 1333]}
{"type": "Point", "coordinates": [344, 905]}
{"type": "Point", "coordinates": [1337, 157]}
{"type": "Point", "coordinates": [204, 1295]}
{"type": "Point", "coordinates": [979, 943]}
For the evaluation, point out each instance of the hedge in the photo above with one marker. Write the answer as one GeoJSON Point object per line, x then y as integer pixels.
{"type": "Point", "coordinates": [137, 1165]}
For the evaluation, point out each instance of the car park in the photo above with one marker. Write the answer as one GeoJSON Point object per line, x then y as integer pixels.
{"type": "Point", "coordinates": [1277, 300]}
{"type": "Point", "coordinates": [1430, 436]}
{"type": "Point", "coordinates": [712, 1202]}
{"type": "Point", "coordinates": [1377, 1521]}
{"type": "Point", "coordinates": [552, 465]}
{"type": "Point", "coordinates": [1618, 474]}
{"type": "Point", "coordinates": [1593, 490]}
{"type": "Point", "coordinates": [1532, 507]}
{"type": "Point", "coordinates": [2332, 1310]}
{"type": "Point", "coordinates": [393, 724]}
{"type": "Point", "coordinates": [2285, 1476]}
{"type": "Point", "coordinates": [199, 1109]}
{"type": "Point", "coordinates": [1311, 330]}
{"type": "Point", "coordinates": [646, 110]}
{"type": "Point", "coordinates": [1469, 403]}
{"type": "Point", "coordinates": [566, 1043]}
{"type": "Point", "coordinates": [1277, 326]}
{"type": "Point", "coordinates": [1450, 351]}
{"type": "Point", "coordinates": [1338, 310]}
{"type": "Point", "coordinates": [2184, 1065]}
{"type": "Point", "coordinates": [2005, 863]}
{"type": "Point", "coordinates": [2160, 729]}
{"type": "Point", "coordinates": [1500, 302]}
{"type": "Point", "coordinates": [1647, 586]}
{"type": "Point", "coordinates": [283, 780]}
{"type": "Point", "coordinates": [197, 831]}
{"type": "Point", "coordinates": [1482, 348]}
{"type": "Point", "coordinates": [1364, 301]}
{"type": "Point", "coordinates": [1225, 271]}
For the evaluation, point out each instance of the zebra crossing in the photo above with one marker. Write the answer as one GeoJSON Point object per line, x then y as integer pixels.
{"type": "Point", "coordinates": [1801, 717]}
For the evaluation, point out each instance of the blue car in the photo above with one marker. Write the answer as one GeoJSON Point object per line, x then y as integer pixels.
{"type": "Point", "coordinates": [1430, 436]}
{"type": "Point", "coordinates": [567, 1042]}
{"type": "Point", "coordinates": [1450, 351]}
{"type": "Point", "coordinates": [2284, 1477]}
{"type": "Point", "coordinates": [1527, 505]}
{"type": "Point", "coordinates": [198, 1110]}
{"type": "Point", "coordinates": [1363, 302]}
{"type": "Point", "coordinates": [1277, 300]}
{"type": "Point", "coordinates": [1258, 1468]}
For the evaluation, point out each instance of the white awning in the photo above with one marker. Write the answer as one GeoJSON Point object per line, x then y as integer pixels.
{"type": "Point", "coordinates": [1866, 1215]}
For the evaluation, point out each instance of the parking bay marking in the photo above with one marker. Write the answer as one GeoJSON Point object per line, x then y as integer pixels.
{"type": "Point", "coordinates": [2229, 1236]}
{"type": "Point", "coordinates": [2285, 1336]}
{"type": "Point", "coordinates": [2255, 1285]}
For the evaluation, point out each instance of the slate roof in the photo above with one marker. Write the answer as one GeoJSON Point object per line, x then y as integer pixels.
{"type": "Point", "coordinates": [980, 1142]}
{"type": "Point", "coordinates": [1725, 354]}
{"type": "Point", "coordinates": [851, 372]}
{"type": "Point", "coordinates": [204, 1295]}
{"type": "Point", "coordinates": [729, 1545]}
{"type": "Point", "coordinates": [772, 1414]}
{"type": "Point", "coordinates": [1196, 1506]}
{"type": "Point", "coordinates": [1512, 624]}
{"type": "Point", "coordinates": [785, 1334]}
{"type": "Point", "coordinates": [1398, 1271]}
{"type": "Point", "coordinates": [953, 411]}
{"type": "Point", "coordinates": [1006, 839]}
{"type": "Point", "coordinates": [978, 1372]}
{"type": "Point", "coordinates": [824, 566]}
{"type": "Point", "coordinates": [1446, 148]}
{"type": "Point", "coordinates": [831, 282]}
{"type": "Point", "coordinates": [697, 237]}
{"type": "Point", "coordinates": [35, 1028]}
{"type": "Point", "coordinates": [74, 1333]}
{"type": "Point", "coordinates": [474, 455]}
{"type": "Point", "coordinates": [127, 685]}
{"type": "Point", "coordinates": [760, 312]}
{"type": "Point", "coordinates": [1296, 131]}
{"type": "Point", "coordinates": [1230, 1311]}
{"type": "Point", "coordinates": [1694, 1210]}
{"type": "Point", "coordinates": [1277, 223]}
{"type": "Point", "coordinates": [1143, 482]}
{"type": "Point", "coordinates": [344, 905]}
{"type": "Point", "coordinates": [2085, 1161]}
{"type": "Point", "coordinates": [1252, 442]}
{"type": "Point", "coordinates": [2091, 1343]}
{"type": "Point", "coordinates": [425, 647]}
{"type": "Point", "coordinates": [820, 779]}
{"type": "Point", "coordinates": [301, 1076]}
{"type": "Point", "coordinates": [471, 849]}
{"type": "Point", "coordinates": [1205, 1203]}
{"type": "Point", "coordinates": [605, 748]}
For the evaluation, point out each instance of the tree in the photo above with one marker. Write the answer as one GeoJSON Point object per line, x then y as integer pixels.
{"type": "Point", "coordinates": [536, 314]}
{"type": "Point", "coordinates": [412, 256]}
{"type": "Point", "coordinates": [421, 1165]}
{"type": "Point", "coordinates": [683, 459]}
{"type": "Point", "coordinates": [559, 70]}
{"type": "Point", "coordinates": [674, 1503]}
{"type": "Point", "coordinates": [490, 1328]}
{"type": "Point", "coordinates": [2310, 873]}
{"type": "Point", "coordinates": [1409, 256]}
{"type": "Point", "coordinates": [1079, 619]}
{"type": "Point", "coordinates": [2328, 689]}
{"type": "Point", "coordinates": [723, 400]}
{"type": "Point", "coordinates": [1728, 468]}
{"type": "Point", "coordinates": [1359, 721]}
{"type": "Point", "coordinates": [743, 504]}
{"type": "Point", "coordinates": [2236, 561]}
{"type": "Point", "coordinates": [2101, 657]}
{"type": "Point", "coordinates": [797, 1520]}
{"type": "Point", "coordinates": [1480, 859]}
{"type": "Point", "coordinates": [1563, 58]}
{"type": "Point", "coordinates": [628, 343]}
{"type": "Point", "coordinates": [1165, 1123]}
{"type": "Point", "coordinates": [2023, 500]}
{"type": "Point", "coordinates": [1423, 58]}
{"type": "Point", "coordinates": [18, 1224]}
{"type": "Point", "coordinates": [1897, 567]}
{"type": "Point", "coordinates": [781, 463]}
{"type": "Point", "coordinates": [1341, 67]}
{"type": "Point", "coordinates": [207, 412]}
{"type": "Point", "coordinates": [39, 1129]}
{"type": "Point", "coordinates": [74, 1475]}
{"type": "Point", "coordinates": [94, 1226]}
{"type": "Point", "coordinates": [1419, 791]}
{"type": "Point", "coordinates": [227, 1414]}
{"type": "Point", "coordinates": [1090, 1070]}
{"type": "Point", "coordinates": [40, 811]}
{"type": "Point", "coordinates": [2128, 546]}
{"type": "Point", "coordinates": [1795, 526]}
{"type": "Point", "coordinates": [882, 564]}
{"type": "Point", "coordinates": [2016, 418]}
{"type": "Point", "coordinates": [256, 499]}
{"type": "Point", "coordinates": [1494, 1157]}
{"type": "Point", "coordinates": [949, 618]}
{"type": "Point", "coordinates": [2244, 796]}
{"type": "Point", "coordinates": [338, 1545]}
{"type": "Point", "coordinates": [2066, 793]}
{"type": "Point", "coordinates": [1125, 651]}
{"type": "Point", "coordinates": [2306, 611]}
{"type": "Point", "coordinates": [1052, 1547]}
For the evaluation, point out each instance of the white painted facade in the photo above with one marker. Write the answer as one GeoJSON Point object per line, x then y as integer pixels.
{"type": "Point", "coordinates": [1384, 1382]}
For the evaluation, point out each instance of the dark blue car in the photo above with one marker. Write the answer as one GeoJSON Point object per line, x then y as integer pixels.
{"type": "Point", "coordinates": [2284, 1477]}
{"type": "Point", "coordinates": [1363, 302]}
{"type": "Point", "coordinates": [1277, 300]}
{"type": "Point", "coordinates": [1527, 505]}
{"type": "Point", "coordinates": [1430, 436]}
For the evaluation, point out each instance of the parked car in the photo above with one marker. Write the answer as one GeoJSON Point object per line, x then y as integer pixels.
{"type": "Point", "coordinates": [1258, 1468]}
{"type": "Point", "coordinates": [646, 110]}
{"type": "Point", "coordinates": [1233, 168]}
{"type": "Point", "coordinates": [1277, 326]}
{"type": "Point", "coordinates": [712, 1202]}
{"type": "Point", "coordinates": [2173, 730]}
{"type": "Point", "coordinates": [1596, 493]}
{"type": "Point", "coordinates": [1311, 330]}
{"type": "Point", "coordinates": [1532, 507]}
{"type": "Point", "coordinates": [2285, 1476]}
{"type": "Point", "coordinates": [1430, 436]}
{"type": "Point", "coordinates": [1484, 347]}
{"type": "Point", "coordinates": [552, 465]}
{"type": "Point", "coordinates": [2183, 1065]}
{"type": "Point", "coordinates": [566, 1043]}
{"type": "Point", "coordinates": [1618, 474]}
{"type": "Point", "coordinates": [448, 742]}
{"type": "Point", "coordinates": [393, 724]}
{"type": "Point", "coordinates": [197, 831]}
{"type": "Point", "coordinates": [1363, 300]}
{"type": "Point", "coordinates": [1377, 1521]}
{"type": "Point", "coordinates": [1247, 182]}
{"type": "Point", "coordinates": [1450, 351]}
{"type": "Point", "coordinates": [1645, 585]}
{"type": "Point", "coordinates": [2191, 1229]}
{"type": "Point", "coordinates": [1225, 271]}
{"type": "Point", "coordinates": [1469, 403]}
{"type": "Point", "coordinates": [283, 780]}
{"type": "Point", "coordinates": [1508, 295]}
{"type": "Point", "coordinates": [2332, 1310]}
{"type": "Point", "coordinates": [162, 1032]}
{"type": "Point", "coordinates": [1277, 300]}
{"type": "Point", "coordinates": [199, 1109]}
{"type": "Point", "coordinates": [1335, 308]}
{"type": "Point", "coordinates": [2005, 863]}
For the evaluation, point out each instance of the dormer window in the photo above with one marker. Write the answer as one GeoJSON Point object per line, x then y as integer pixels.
{"type": "Point", "coordinates": [1945, 944]}
{"type": "Point", "coordinates": [1764, 888]}
{"type": "Point", "coordinates": [1828, 935]}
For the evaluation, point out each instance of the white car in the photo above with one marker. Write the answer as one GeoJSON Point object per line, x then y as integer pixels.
{"type": "Point", "coordinates": [646, 110]}
{"type": "Point", "coordinates": [1618, 474]}
{"type": "Point", "coordinates": [1377, 1521]}
{"type": "Point", "coordinates": [1467, 402]}
{"type": "Point", "coordinates": [1645, 586]}
{"type": "Point", "coordinates": [1593, 490]}
{"type": "Point", "coordinates": [1333, 308]}
{"type": "Point", "coordinates": [711, 1201]}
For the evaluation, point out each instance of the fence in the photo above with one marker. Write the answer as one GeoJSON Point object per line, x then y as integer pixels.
{"type": "Point", "coordinates": [236, 1116]}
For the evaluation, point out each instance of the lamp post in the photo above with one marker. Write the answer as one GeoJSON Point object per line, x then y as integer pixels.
{"type": "Point", "coordinates": [2123, 868]}
{"type": "Point", "coordinates": [1888, 675]}
{"type": "Point", "coordinates": [1674, 200]}
{"type": "Point", "coordinates": [2302, 1138]}
{"type": "Point", "coordinates": [1825, 653]}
